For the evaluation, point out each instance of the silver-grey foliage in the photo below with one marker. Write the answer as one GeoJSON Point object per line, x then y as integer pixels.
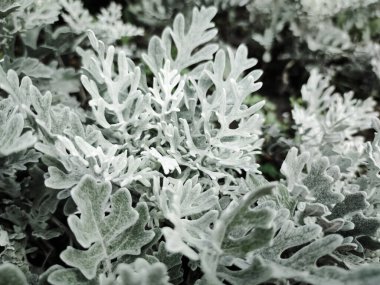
{"type": "Point", "coordinates": [163, 165]}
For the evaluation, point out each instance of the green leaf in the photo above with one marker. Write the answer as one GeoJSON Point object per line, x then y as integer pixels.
{"type": "Point", "coordinates": [364, 275]}
{"type": "Point", "coordinates": [352, 203]}
{"type": "Point", "coordinates": [11, 137]}
{"type": "Point", "coordinates": [320, 180]}
{"type": "Point", "coordinates": [69, 276]}
{"type": "Point", "coordinates": [247, 228]}
{"type": "Point", "coordinates": [31, 67]}
{"type": "Point", "coordinates": [189, 208]}
{"type": "Point", "coordinates": [43, 278]}
{"type": "Point", "coordinates": [142, 272]}
{"type": "Point", "coordinates": [368, 226]}
{"type": "Point", "coordinates": [189, 42]}
{"type": "Point", "coordinates": [292, 166]}
{"type": "Point", "coordinates": [104, 237]}
{"type": "Point", "coordinates": [11, 275]}
{"type": "Point", "coordinates": [267, 263]}
{"type": "Point", "coordinates": [241, 229]}
{"type": "Point", "coordinates": [9, 6]}
{"type": "Point", "coordinates": [173, 262]}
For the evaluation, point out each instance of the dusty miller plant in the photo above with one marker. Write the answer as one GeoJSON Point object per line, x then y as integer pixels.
{"type": "Point", "coordinates": [153, 177]}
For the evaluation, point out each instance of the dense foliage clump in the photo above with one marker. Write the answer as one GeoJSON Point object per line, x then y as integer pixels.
{"type": "Point", "coordinates": [136, 146]}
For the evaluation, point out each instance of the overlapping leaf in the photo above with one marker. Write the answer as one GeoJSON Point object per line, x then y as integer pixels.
{"type": "Point", "coordinates": [104, 236]}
